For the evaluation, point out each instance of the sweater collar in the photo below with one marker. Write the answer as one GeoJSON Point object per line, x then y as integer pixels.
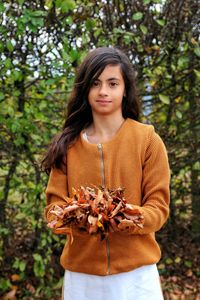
{"type": "Point", "coordinates": [117, 136]}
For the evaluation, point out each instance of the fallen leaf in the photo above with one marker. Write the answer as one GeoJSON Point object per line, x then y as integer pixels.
{"type": "Point", "coordinates": [97, 211]}
{"type": "Point", "coordinates": [15, 277]}
{"type": "Point", "coordinates": [11, 295]}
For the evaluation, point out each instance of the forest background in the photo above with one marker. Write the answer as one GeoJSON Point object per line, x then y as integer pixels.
{"type": "Point", "coordinates": [41, 44]}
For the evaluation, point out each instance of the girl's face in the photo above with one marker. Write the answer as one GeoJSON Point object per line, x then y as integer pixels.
{"type": "Point", "coordinates": [106, 94]}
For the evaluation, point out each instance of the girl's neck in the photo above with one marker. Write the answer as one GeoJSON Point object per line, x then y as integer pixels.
{"type": "Point", "coordinates": [103, 128]}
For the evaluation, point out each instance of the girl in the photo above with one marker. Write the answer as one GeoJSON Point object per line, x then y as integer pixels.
{"type": "Point", "coordinates": [103, 143]}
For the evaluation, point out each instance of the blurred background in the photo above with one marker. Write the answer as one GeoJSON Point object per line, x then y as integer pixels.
{"type": "Point", "coordinates": [41, 44]}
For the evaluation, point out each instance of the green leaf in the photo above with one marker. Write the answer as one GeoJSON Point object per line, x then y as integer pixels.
{"type": "Point", "coordinates": [16, 75]}
{"type": "Point", "coordinates": [127, 39]}
{"type": "Point", "coordinates": [169, 261]}
{"type": "Point", "coordinates": [16, 126]}
{"type": "Point", "coordinates": [196, 166]}
{"type": "Point", "coordinates": [1, 47]}
{"type": "Point", "coordinates": [137, 16]}
{"type": "Point", "coordinates": [20, 216]}
{"type": "Point", "coordinates": [143, 29]}
{"type": "Point", "coordinates": [32, 28]}
{"type": "Point", "coordinates": [161, 22]}
{"type": "Point", "coordinates": [65, 5]}
{"type": "Point", "coordinates": [179, 202]}
{"type": "Point", "coordinates": [177, 260]}
{"type": "Point", "coordinates": [145, 2]}
{"type": "Point", "coordinates": [37, 257]}
{"type": "Point", "coordinates": [69, 20]}
{"type": "Point", "coordinates": [188, 263]}
{"type": "Point", "coordinates": [39, 265]}
{"type": "Point", "coordinates": [74, 54]}
{"type": "Point", "coordinates": [183, 61]}
{"type": "Point", "coordinates": [10, 111]}
{"type": "Point", "coordinates": [179, 114]}
{"type": "Point", "coordinates": [2, 7]}
{"type": "Point", "coordinates": [10, 46]}
{"type": "Point", "coordinates": [58, 284]}
{"type": "Point", "coordinates": [1, 96]}
{"type": "Point", "coordinates": [197, 73]}
{"type": "Point", "coordinates": [197, 51]}
{"type": "Point", "coordinates": [21, 2]}
{"type": "Point", "coordinates": [5, 284]}
{"type": "Point", "coordinates": [140, 48]}
{"type": "Point", "coordinates": [19, 264]}
{"type": "Point", "coordinates": [22, 266]}
{"type": "Point", "coordinates": [186, 47]}
{"type": "Point", "coordinates": [38, 22]}
{"type": "Point", "coordinates": [90, 24]}
{"type": "Point", "coordinates": [8, 63]}
{"type": "Point", "coordinates": [4, 231]}
{"type": "Point", "coordinates": [38, 13]}
{"type": "Point", "coordinates": [160, 70]}
{"type": "Point", "coordinates": [48, 4]}
{"type": "Point", "coordinates": [164, 98]}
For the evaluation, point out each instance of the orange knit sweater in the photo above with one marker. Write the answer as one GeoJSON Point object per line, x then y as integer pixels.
{"type": "Point", "coordinates": [136, 159]}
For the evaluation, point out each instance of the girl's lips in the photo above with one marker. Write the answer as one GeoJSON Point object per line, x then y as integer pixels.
{"type": "Point", "coordinates": [103, 101]}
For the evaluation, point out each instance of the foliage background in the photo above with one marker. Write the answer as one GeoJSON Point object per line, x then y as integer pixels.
{"type": "Point", "coordinates": [41, 44]}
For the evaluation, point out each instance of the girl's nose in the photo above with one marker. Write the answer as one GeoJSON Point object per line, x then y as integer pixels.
{"type": "Point", "coordinates": [103, 90]}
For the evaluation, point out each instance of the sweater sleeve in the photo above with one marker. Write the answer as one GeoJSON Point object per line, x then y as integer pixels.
{"type": "Point", "coordinates": [155, 185]}
{"type": "Point", "coordinates": [56, 192]}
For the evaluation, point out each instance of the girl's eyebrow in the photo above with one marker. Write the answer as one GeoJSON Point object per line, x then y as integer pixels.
{"type": "Point", "coordinates": [109, 79]}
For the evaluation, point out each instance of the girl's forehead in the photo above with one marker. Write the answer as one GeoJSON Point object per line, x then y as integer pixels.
{"type": "Point", "coordinates": [113, 71]}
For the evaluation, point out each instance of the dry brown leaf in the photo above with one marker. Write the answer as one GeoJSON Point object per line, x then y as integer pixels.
{"type": "Point", "coordinates": [15, 277]}
{"type": "Point", "coordinates": [96, 211]}
{"type": "Point", "coordinates": [11, 295]}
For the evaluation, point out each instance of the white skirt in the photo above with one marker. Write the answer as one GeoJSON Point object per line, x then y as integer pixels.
{"type": "Point", "coordinates": [140, 284]}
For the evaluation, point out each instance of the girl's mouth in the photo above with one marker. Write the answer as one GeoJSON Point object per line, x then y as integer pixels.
{"type": "Point", "coordinates": [103, 101]}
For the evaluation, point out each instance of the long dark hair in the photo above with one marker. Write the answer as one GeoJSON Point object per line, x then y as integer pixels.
{"type": "Point", "coordinates": [79, 114]}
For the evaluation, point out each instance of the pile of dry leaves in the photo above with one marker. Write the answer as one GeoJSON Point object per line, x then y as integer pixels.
{"type": "Point", "coordinates": [96, 211]}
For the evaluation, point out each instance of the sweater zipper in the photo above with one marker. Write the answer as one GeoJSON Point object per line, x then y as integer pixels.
{"type": "Point", "coordinates": [100, 149]}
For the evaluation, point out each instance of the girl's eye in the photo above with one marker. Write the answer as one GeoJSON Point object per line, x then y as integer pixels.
{"type": "Point", "coordinates": [113, 84]}
{"type": "Point", "coordinates": [95, 83]}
